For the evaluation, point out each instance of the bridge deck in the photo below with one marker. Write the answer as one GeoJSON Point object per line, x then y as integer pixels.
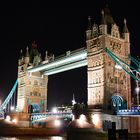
{"type": "Point", "coordinates": [73, 60]}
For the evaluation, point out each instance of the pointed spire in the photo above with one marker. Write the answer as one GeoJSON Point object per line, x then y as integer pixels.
{"type": "Point", "coordinates": [21, 54]}
{"type": "Point", "coordinates": [73, 97]}
{"type": "Point", "coordinates": [89, 22]}
{"type": "Point", "coordinates": [103, 18]}
{"type": "Point", "coordinates": [125, 30]}
{"type": "Point", "coordinates": [27, 52]}
{"type": "Point", "coordinates": [73, 100]}
{"type": "Point", "coordinates": [46, 57]}
{"type": "Point", "coordinates": [40, 57]}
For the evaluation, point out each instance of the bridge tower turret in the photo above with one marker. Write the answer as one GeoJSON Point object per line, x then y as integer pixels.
{"type": "Point", "coordinates": [104, 80]}
{"type": "Point", "coordinates": [32, 88]}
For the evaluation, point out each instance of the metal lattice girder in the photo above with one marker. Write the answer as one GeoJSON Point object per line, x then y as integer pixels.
{"type": "Point", "coordinates": [6, 101]}
{"type": "Point", "coordinates": [126, 67]}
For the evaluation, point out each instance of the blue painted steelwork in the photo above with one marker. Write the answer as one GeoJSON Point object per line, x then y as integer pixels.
{"type": "Point", "coordinates": [4, 104]}
{"type": "Point", "coordinates": [126, 67]}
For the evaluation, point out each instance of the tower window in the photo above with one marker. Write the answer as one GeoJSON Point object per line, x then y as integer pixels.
{"type": "Point", "coordinates": [36, 82]}
{"type": "Point", "coordinates": [22, 68]}
{"type": "Point", "coordinates": [99, 79]}
{"type": "Point", "coordinates": [29, 82]}
{"type": "Point", "coordinates": [96, 80]}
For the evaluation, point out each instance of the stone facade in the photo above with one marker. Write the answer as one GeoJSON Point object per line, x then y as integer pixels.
{"type": "Point", "coordinates": [104, 79]}
{"type": "Point", "coordinates": [32, 87]}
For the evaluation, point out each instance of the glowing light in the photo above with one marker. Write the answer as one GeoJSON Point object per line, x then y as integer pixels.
{"type": "Point", "coordinates": [137, 89]}
{"type": "Point", "coordinates": [12, 108]}
{"type": "Point", "coordinates": [54, 110]}
{"type": "Point", "coordinates": [57, 122]}
{"type": "Point", "coordinates": [56, 138]}
{"type": "Point", "coordinates": [82, 117]}
{"type": "Point", "coordinates": [8, 118]}
{"type": "Point", "coordinates": [14, 121]}
{"type": "Point", "coordinates": [73, 102]}
{"type": "Point", "coordinates": [95, 119]}
{"type": "Point", "coordinates": [118, 67]}
{"type": "Point", "coordinates": [66, 67]}
{"type": "Point", "coordinates": [73, 117]}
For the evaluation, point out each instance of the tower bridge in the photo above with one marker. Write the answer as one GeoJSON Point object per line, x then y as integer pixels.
{"type": "Point", "coordinates": [105, 83]}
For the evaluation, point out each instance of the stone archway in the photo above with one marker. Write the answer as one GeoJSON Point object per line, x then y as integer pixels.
{"type": "Point", "coordinates": [117, 102]}
{"type": "Point", "coordinates": [33, 108]}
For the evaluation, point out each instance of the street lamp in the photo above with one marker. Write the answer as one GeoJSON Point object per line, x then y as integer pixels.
{"type": "Point", "coordinates": [54, 110]}
{"type": "Point", "coordinates": [12, 108]}
{"type": "Point", "coordinates": [137, 89]}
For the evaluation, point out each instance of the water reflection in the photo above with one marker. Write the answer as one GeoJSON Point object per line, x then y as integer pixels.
{"type": "Point", "coordinates": [33, 138]}
{"type": "Point", "coordinates": [56, 138]}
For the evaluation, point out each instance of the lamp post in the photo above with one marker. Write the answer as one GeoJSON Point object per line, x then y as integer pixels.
{"type": "Point", "coordinates": [137, 89]}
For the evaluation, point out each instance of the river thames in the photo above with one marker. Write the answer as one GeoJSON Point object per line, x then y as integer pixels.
{"type": "Point", "coordinates": [34, 138]}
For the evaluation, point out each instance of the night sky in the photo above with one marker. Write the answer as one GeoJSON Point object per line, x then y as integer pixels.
{"type": "Point", "coordinates": [57, 28]}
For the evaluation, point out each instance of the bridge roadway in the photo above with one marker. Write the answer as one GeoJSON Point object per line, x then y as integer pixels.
{"type": "Point", "coordinates": [70, 60]}
{"type": "Point", "coordinates": [35, 117]}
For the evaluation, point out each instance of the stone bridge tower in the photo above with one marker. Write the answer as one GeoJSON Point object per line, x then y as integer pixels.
{"type": "Point", "coordinates": [32, 87]}
{"type": "Point", "coordinates": [105, 80]}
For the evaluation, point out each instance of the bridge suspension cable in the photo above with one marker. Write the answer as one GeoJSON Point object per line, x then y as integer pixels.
{"type": "Point", "coordinates": [6, 101]}
{"type": "Point", "coordinates": [133, 72]}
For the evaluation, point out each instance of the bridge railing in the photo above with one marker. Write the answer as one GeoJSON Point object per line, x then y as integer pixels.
{"type": "Point", "coordinates": [71, 53]}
